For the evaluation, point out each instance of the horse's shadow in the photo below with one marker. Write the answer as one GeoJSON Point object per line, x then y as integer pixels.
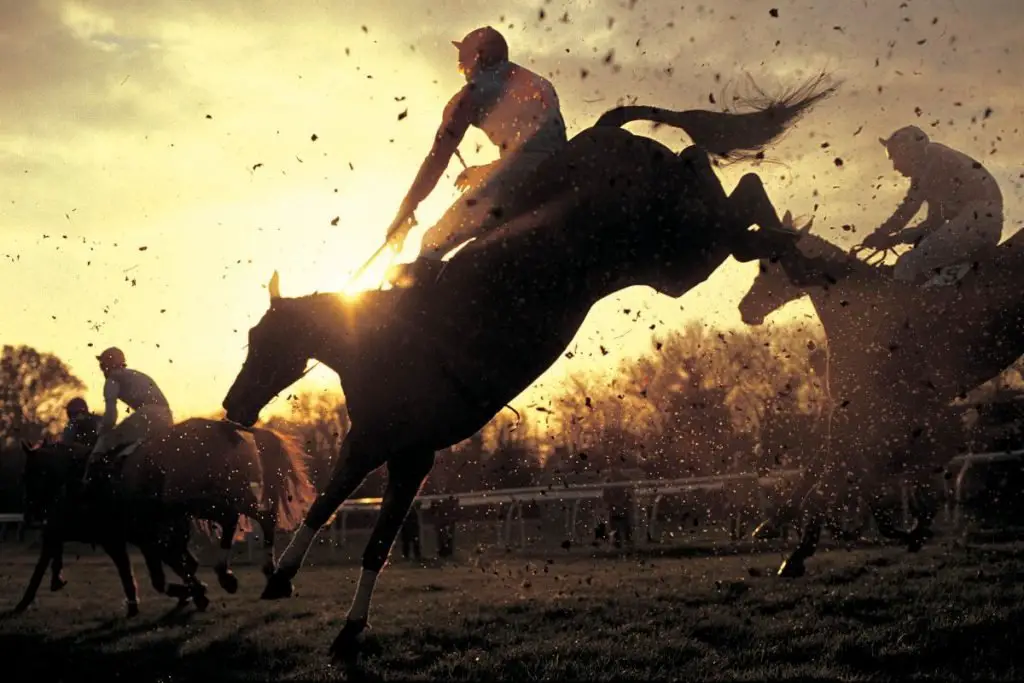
{"type": "Point", "coordinates": [100, 651]}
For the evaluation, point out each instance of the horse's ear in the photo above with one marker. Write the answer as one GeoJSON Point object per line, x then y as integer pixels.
{"type": "Point", "coordinates": [806, 230]}
{"type": "Point", "coordinates": [274, 287]}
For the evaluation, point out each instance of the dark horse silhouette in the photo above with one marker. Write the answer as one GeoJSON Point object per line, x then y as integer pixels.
{"type": "Point", "coordinates": [215, 471]}
{"type": "Point", "coordinates": [53, 497]}
{"type": "Point", "coordinates": [428, 366]}
{"type": "Point", "coordinates": [898, 355]}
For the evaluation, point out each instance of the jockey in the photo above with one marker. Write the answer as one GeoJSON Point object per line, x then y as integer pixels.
{"type": "Point", "coordinates": [141, 394]}
{"type": "Point", "coordinates": [519, 112]}
{"type": "Point", "coordinates": [965, 207]}
{"type": "Point", "coordinates": [83, 427]}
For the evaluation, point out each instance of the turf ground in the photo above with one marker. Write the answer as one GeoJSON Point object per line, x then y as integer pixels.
{"type": "Point", "coordinates": [948, 613]}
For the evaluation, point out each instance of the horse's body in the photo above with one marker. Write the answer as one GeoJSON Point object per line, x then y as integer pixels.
{"type": "Point", "coordinates": [898, 355]}
{"type": "Point", "coordinates": [53, 475]}
{"type": "Point", "coordinates": [429, 366]}
{"type": "Point", "coordinates": [214, 471]}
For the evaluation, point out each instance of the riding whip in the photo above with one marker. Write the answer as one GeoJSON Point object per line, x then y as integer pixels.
{"type": "Point", "coordinates": [409, 224]}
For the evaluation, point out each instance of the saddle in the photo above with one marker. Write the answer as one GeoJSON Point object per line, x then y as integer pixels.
{"type": "Point", "coordinates": [105, 477]}
{"type": "Point", "coordinates": [422, 271]}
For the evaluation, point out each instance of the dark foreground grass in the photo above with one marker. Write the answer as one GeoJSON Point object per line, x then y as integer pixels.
{"type": "Point", "coordinates": [877, 614]}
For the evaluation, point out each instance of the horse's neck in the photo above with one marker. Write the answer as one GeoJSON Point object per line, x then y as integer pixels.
{"type": "Point", "coordinates": [840, 263]}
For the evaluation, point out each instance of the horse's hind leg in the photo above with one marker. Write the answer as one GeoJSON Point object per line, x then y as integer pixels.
{"type": "Point", "coordinates": [405, 476]}
{"type": "Point", "coordinates": [118, 552]}
{"type": "Point", "coordinates": [225, 577]}
{"type": "Point", "coordinates": [356, 460]}
{"type": "Point", "coordinates": [751, 205]}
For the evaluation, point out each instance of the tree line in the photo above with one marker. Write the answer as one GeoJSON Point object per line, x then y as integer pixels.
{"type": "Point", "coordinates": [701, 401]}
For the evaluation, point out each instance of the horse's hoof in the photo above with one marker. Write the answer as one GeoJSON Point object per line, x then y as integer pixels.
{"type": "Point", "coordinates": [347, 645]}
{"type": "Point", "coordinates": [199, 598]}
{"type": "Point", "coordinates": [228, 581]}
{"type": "Point", "coordinates": [792, 569]}
{"type": "Point", "coordinates": [177, 590]}
{"type": "Point", "coordinates": [57, 583]}
{"type": "Point", "coordinates": [21, 607]}
{"type": "Point", "coordinates": [133, 610]}
{"type": "Point", "coordinates": [278, 587]}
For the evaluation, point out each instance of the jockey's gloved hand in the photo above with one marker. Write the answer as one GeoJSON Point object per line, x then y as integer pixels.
{"type": "Point", "coordinates": [879, 240]}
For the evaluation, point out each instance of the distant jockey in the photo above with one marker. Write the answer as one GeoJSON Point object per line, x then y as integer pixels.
{"type": "Point", "coordinates": [965, 208]}
{"type": "Point", "coordinates": [136, 389]}
{"type": "Point", "coordinates": [519, 112]}
{"type": "Point", "coordinates": [83, 427]}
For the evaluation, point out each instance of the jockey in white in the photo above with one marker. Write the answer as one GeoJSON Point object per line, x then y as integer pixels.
{"type": "Point", "coordinates": [965, 208]}
{"type": "Point", "coordinates": [519, 112]}
{"type": "Point", "coordinates": [136, 389]}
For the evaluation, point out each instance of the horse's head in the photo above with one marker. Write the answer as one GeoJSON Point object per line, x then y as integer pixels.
{"type": "Point", "coordinates": [49, 468]}
{"type": "Point", "coordinates": [280, 345]}
{"type": "Point", "coordinates": [809, 261]}
{"type": "Point", "coordinates": [771, 290]}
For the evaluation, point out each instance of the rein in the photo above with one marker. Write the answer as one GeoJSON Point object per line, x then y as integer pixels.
{"type": "Point", "coordinates": [241, 427]}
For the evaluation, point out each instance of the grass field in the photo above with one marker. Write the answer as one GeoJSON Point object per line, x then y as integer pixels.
{"type": "Point", "coordinates": [867, 614]}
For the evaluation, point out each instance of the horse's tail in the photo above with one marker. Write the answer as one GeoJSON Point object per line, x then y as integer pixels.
{"type": "Point", "coordinates": [733, 136]}
{"type": "Point", "coordinates": [285, 476]}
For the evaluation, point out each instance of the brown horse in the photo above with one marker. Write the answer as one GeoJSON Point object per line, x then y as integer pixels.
{"type": "Point", "coordinates": [428, 366]}
{"type": "Point", "coordinates": [218, 471]}
{"type": "Point", "coordinates": [898, 355]}
{"type": "Point", "coordinates": [53, 498]}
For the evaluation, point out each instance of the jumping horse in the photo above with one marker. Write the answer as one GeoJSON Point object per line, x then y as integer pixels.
{"type": "Point", "coordinates": [899, 354]}
{"type": "Point", "coordinates": [428, 366]}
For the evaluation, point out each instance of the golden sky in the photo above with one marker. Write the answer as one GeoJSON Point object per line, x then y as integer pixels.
{"type": "Point", "coordinates": [158, 160]}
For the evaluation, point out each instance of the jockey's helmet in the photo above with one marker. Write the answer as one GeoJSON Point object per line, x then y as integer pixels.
{"type": "Point", "coordinates": [112, 358]}
{"type": "Point", "coordinates": [76, 406]}
{"type": "Point", "coordinates": [481, 48]}
{"type": "Point", "coordinates": [906, 138]}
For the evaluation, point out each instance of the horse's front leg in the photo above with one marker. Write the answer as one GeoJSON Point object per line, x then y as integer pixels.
{"type": "Point", "coordinates": [155, 567]}
{"type": "Point", "coordinates": [356, 460]}
{"type": "Point", "coordinates": [267, 520]}
{"type": "Point", "coordinates": [924, 507]}
{"type": "Point", "coordinates": [57, 580]}
{"type": "Point", "coordinates": [814, 505]}
{"type": "Point", "coordinates": [174, 552]}
{"type": "Point", "coordinates": [225, 577]}
{"type": "Point", "coordinates": [183, 563]}
{"type": "Point", "coordinates": [406, 474]}
{"type": "Point", "coordinates": [51, 541]}
{"type": "Point", "coordinates": [118, 552]}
